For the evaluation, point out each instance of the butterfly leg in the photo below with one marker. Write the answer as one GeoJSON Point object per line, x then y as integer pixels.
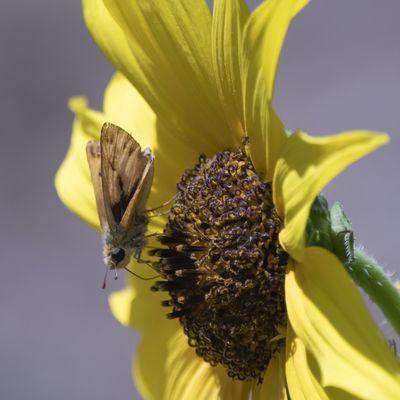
{"type": "Point", "coordinates": [137, 257]}
{"type": "Point", "coordinates": [142, 261]}
{"type": "Point", "coordinates": [161, 206]}
{"type": "Point", "coordinates": [140, 277]}
{"type": "Point", "coordinates": [151, 235]}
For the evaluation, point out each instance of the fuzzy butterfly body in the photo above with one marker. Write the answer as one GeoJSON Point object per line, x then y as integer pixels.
{"type": "Point", "coordinates": [122, 176]}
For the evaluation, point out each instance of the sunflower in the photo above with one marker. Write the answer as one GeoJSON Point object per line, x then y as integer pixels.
{"type": "Point", "coordinates": [192, 86]}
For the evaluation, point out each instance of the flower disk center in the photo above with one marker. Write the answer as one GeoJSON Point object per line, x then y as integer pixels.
{"type": "Point", "coordinates": [223, 265]}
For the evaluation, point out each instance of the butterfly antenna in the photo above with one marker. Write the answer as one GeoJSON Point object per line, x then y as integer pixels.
{"type": "Point", "coordinates": [103, 286]}
{"type": "Point", "coordinates": [115, 273]}
{"type": "Point", "coordinates": [141, 277]}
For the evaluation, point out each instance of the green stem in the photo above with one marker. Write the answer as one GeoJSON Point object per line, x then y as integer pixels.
{"type": "Point", "coordinates": [370, 276]}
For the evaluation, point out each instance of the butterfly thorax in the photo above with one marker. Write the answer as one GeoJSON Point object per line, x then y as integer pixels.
{"type": "Point", "coordinates": [121, 244]}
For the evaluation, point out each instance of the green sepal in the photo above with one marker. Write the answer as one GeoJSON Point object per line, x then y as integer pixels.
{"type": "Point", "coordinates": [319, 225]}
{"type": "Point", "coordinates": [342, 235]}
{"type": "Point", "coordinates": [331, 229]}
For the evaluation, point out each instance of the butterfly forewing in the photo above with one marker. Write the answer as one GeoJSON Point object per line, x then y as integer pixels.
{"type": "Point", "coordinates": [126, 174]}
{"type": "Point", "coordinates": [94, 160]}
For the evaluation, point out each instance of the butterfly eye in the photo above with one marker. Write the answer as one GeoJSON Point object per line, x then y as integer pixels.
{"type": "Point", "coordinates": [117, 254]}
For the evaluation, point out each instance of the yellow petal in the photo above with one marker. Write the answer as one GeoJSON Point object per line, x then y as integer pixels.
{"type": "Point", "coordinates": [136, 306]}
{"type": "Point", "coordinates": [125, 107]}
{"type": "Point", "coordinates": [265, 34]}
{"type": "Point", "coordinates": [306, 165]}
{"type": "Point", "coordinates": [189, 377]}
{"type": "Point", "coordinates": [150, 372]}
{"type": "Point", "coordinates": [120, 303]}
{"type": "Point", "coordinates": [329, 316]}
{"type": "Point", "coordinates": [229, 17]}
{"type": "Point", "coordinates": [73, 182]}
{"type": "Point", "coordinates": [169, 62]}
{"type": "Point", "coordinates": [112, 42]}
{"type": "Point", "coordinates": [301, 371]}
{"type": "Point", "coordinates": [274, 381]}
{"type": "Point", "coordinates": [263, 40]}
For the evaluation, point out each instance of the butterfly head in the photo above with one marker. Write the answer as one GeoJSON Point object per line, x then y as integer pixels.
{"type": "Point", "coordinates": [116, 257]}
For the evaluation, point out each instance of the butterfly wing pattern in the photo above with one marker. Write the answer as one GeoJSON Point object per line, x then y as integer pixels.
{"type": "Point", "coordinates": [127, 174]}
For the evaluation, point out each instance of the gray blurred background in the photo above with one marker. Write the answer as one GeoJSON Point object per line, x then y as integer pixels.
{"type": "Point", "coordinates": [340, 70]}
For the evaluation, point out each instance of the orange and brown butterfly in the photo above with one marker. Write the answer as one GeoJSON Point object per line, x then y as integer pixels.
{"type": "Point", "coordinates": [122, 176]}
